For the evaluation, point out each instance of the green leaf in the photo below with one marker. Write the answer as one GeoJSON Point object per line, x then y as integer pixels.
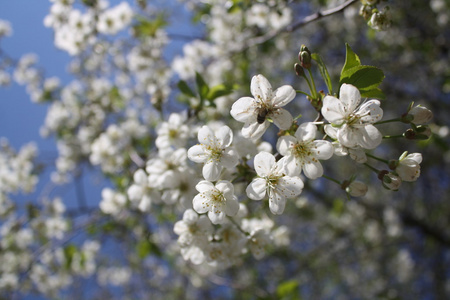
{"type": "Point", "coordinates": [202, 87]}
{"type": "Point", "coordinates": [351, 60]}
{"type": "Point", "coordinates": [365, 78]}
{"type": "Point", "coordinates": [146, 247]}
{"type": "Point", "coordinates": [218, 91]}
{"type": "Point", "coordinates": [185, 89]}
{"type": "Point", "coordinates": [288, 290]}
{"type": "Point", "coordinates": [375, 93]}
{"type": "Point", "coordinates": [323, 71]}
{"type": "Point", "coordinates": [147, 27]}
{"type": "Point", "coordinates": [69, 252]}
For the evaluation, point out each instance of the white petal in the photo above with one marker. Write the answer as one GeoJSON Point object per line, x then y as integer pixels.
{"type": "Point", "coordinates": [412, 159]}
{"type": "Point", "coordinates": [260, 88]}
{"type": "Point", "coordinates": [285, 143]}
{"type": "Point", "coordinates": [263, 163]}
{"type": "Point", "coordinates": [256, 190]}
{"type": "Point", "coordinates": [190, 216]}
{"type": "Point", "coordinates": [371, 111]}
{"type": "Point", "coordinates": [179, 156]}
{"type": "Point", "coordinates": [358, 155]}
{"type": "Point", "coordinates": [350, 96]}
{"type": "Point", "coordinates": [140, 177]}
{"type": "Point", "coordinates": [306, 132]}
{"type": "Point", "coordinates": [331, 131]}
{"type": "Point", "coordinates": [180, 227]}
{"type": "Point", "coordinates": [283, 95]}
{"type": "Point", "coordinates": [313, 169]}
{"type": "Point", "coordinates": [198, 154]}
{"type": "Point", "coordinates": [204, 186]}
{"type": "Point", "coordinates": [232, 206]}
{"type": "Point", "coordinates": [224, 136]}
{"type": "Point", "coordinates": [199, 204]}
{"type": "Point", "coordinates": [243, 109]}
{"type": "Point", "coordinates": [277, 202]}
{"type": "Point", "coordinates": [253, 130]}
{"type": "Point", "coordinates": [216, 217]}
{"type": "Point", "coordinates": [348, 136]}
{"type": "Point", "coordinates": [226, 188]}
{"type": "Point", "coordinates": [206, 136]}
{"type": "Point", "coordinates": [322, 149]}
{"type": "Point", "coordinates": [370, 137]}
{"type": "Point", "coordinates": [290, 187]}
{"type": "Point", "coordinates": [229, 158]}
{"type": "Point", "coordinates": [333, 110]}
{"type": "Point", "coordinates": [292, 166]}
{"type": "Point", "coordinates": [211, 170]}
{"type": "Point", "coordinates": [282, 118]}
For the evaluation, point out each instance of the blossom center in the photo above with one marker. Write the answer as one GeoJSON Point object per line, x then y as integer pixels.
{"type": "Point", "coordinates": [302, 151]}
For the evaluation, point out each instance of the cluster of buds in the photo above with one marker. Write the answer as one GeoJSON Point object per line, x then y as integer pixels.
{"type": "Point", "coordinates": [378, 20]}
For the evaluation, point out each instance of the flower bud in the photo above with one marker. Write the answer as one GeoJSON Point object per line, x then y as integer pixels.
{"type": "Point", "coordinates": [409, 166]}
{"type": "Point", "coordinates": [422, 132]}
{"type": "Point", "coordinates": [389, 180]}
{"type": "Point", "coordinates": [305, 57]}
{"type": "Point", "coordinates": [299, 70]}
{"type": "Point", "coordinates": [365, 12]}
{"type": "Point", "coordinates": [421, 115]}
{"type": "Point", "coordinates": [380, 20]}
{"type": "Point", "coordinates": [357, 189]}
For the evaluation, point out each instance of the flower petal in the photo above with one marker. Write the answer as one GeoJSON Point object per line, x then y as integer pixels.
{"type": "Point", "coordinates": [199, 203]}
{"type": "Point", "coordinates": [226, 188]}
{"type": "Point", "coordinates": [253, 130]}
{"type": "Point", "coordinates": [243, 109]}
{"type": "Point", "coordinates": [282, 118]}
{"type": "Point", "coordinates": [322, 149]}
{"type": "Point", "coordinates": [290, 187]}
{"type": "Point", "coordinates": [306, 132]}
{"type": "Point", "coordinates": [204, 186]}
{"type": "Point", "coordinates": [260, 88]}
{"type": "Point", "coordinates": [224, 136]}
{"type": "Point", "coordinates": [206, 136]}
{"type": "Point", "coordinates": [283, 95]}
{"type": "Point", "coordinates": [211, 170]}
{"type": "Point", "coordinates": [216, 216]}
{"type": "Point", "coordinates": [285, 143]}
{"type": "Point", "coordinates": [232, 206]}
{"type": "Point", "coordinates": [371, 111]}
{"type": "Point", "coordinates": [277, 202]}
{"type": "Point", "coordinates": [256, 190]}
{"type": "Point", "coordinates": [263, 163]}
{"type": "Point", "coordinates": [350, 97]}
{"type": "Point", "coordinates": [333, 110]}
{"type": "Point", "coordinates": [197, 154]}
{"type": "Point", "coordinates": [229, 158]}
{"type": "Point", "coordinates": [370, 137]}
{"type": "Point", "coordinates": [313, 169]}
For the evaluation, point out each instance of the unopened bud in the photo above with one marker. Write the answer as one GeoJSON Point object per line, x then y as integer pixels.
{"type": "Point", "coordinates": [391, 181]}
{"type": "Point", "coordinates": [380, 20]}
{"type": "Point", "coordinates": [357, 189]}
{"type": "Point", "coordinates": [393, 163]}
{"type": "Point", "coordinates": [420, 114]}
{"type": "Point", "coordinates": [305, 57]}
{"type": "Point", "coordinates": [299, 70]}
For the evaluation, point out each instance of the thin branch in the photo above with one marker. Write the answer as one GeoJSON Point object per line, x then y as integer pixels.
{"type": "Point", "coordinates": [292, 27]}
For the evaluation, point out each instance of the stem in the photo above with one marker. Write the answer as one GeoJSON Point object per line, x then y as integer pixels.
{"type": "Point", "coordinates": [314, 91]}
{"type": "Point", "coordinates": [372, 168]}
{"type": "Point", "coordinates": [377, 158]}
{"type": "Point", "coordinates": [393, 136]}
{"type": "Point", "coordinates": [331, 179]}
{"type": "Point", "coordinates": [238, 226]}
{"type": "Point", "coordinates": [388, 121]}
{"type": "Point", "coordinates": [301, 92]}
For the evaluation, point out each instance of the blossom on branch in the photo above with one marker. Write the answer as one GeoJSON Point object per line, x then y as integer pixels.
{"type": "Point", "coordinates": [354, 122]}
{"type": "Point", "coordinates": [266, 104]}
{"type": "Point", "coordinates": [217, 200]}
{"type": "Point", "coordinates": [214, 151]}
{"type": "Point", "coordinates": [272, 180]}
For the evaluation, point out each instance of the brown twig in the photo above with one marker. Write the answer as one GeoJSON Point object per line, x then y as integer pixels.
{"type": "Point", "coordinates": [292, 27]}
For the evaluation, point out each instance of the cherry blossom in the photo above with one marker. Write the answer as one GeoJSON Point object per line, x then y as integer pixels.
{"type": "Point", "coordinates": [354, 122]}
{"type": "Point", "coordinates": [217, 200]}
{"type": "Point", "coordinates": [266, 104]}
{"type": "Point", "coordinates": [214, 151]}
{"type": "Point", "coordinates": [408, 167]}
{"type": "Point", "coordinates": [302, 151]}
{"type": "Point", "coordinates": [272, 180]}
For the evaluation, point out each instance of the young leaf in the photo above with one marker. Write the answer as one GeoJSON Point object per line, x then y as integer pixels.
{"type": "Point", "coordinates": [202, 87]}
{"type": "Point", "coordinates": [185, 89]}
{"type": "Point", "coordinates": [351, 60]}
{"type": "Point", "coordinates": [323, 71]}
{"type": "Point", "coordinates": [365, 78]}
{"type": "Point", "coordinates": [218, 91]}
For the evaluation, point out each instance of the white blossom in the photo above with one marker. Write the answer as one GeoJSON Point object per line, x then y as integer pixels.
{"type": "Point", "coordinates": [302, 151]}
{"type": "Point", "coordinates": [272, 180]}
{"type": "Point", "coordinates": [408, 167]}
{"type": "Point", "coordinates": [217, 200]}
{"type": "Point", "coordinates": [255, 112]}
{"type": "Point", "coordinates": [215, 151]}
{"type": "Point", "coordinates": [354, 122]}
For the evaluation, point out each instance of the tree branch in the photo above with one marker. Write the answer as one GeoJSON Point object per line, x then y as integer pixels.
{"type": "Point", "coordinates": [292, 27]}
